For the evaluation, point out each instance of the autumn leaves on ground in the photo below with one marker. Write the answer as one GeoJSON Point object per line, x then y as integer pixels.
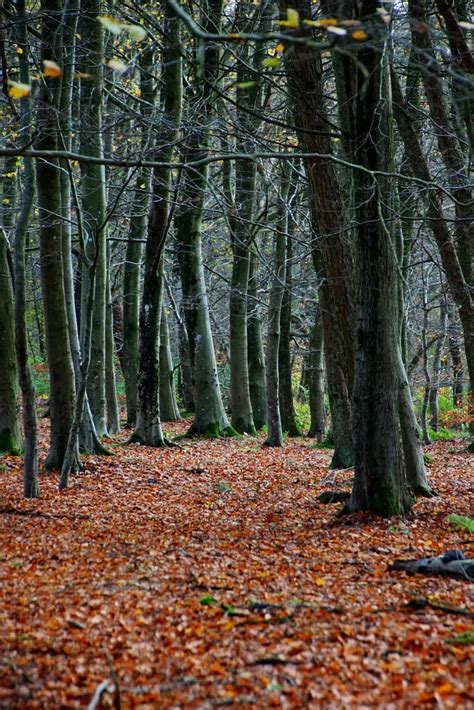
{"type": "Point", "coordinates": [210, 575]}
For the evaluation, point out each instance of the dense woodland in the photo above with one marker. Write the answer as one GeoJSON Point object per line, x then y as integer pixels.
{"type": "Point", "coordinates": [231, 204]}
{"type": "Point", "coordinates": [227, 225]}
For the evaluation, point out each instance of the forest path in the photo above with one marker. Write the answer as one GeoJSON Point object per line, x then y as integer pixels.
{"type": "Point", "coordinates": [210, 575]}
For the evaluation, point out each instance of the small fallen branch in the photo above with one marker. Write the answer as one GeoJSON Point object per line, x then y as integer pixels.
{"type": "Point", "coordinates": [422, 603]}
{"type": "Point", "coordinates": [451, 564]}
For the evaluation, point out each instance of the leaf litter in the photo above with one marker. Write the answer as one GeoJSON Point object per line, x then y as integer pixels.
{"type": "Point", "coordinates": [211, 575]}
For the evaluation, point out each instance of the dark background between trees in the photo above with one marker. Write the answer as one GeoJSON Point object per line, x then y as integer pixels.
{"type": "Point", "coordinates": [239, 210]}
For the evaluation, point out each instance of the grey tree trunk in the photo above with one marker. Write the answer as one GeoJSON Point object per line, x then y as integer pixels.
{"type": "Point", "coordinates": [10, 436]}
{"type": "Point", "coordinates": [30, 456]}
{"type": "Point", "coordinates": [255, 354]}
{"type": "Point", "coordinates": [148, 429]}
{"type": "Point", "coordinates": [287, 408]}
{"type": "Point", "coordinates": [248, 102]}
{"type": "Point", "coordinates": [451, 153]}
{"type": "Point", "coordinates": [380, 477]}
{"type": "Point", "coordinates": [112, 406]}
{"type": "Point", "coordinates": [209, 415]}
{"type": "Point", "coordinates": [317, 427]}
{"type": "Point", "coordinates": [332, 252]}
{"type": "Point", "coordinates": [52, 274]}
{"type": "Point", "coordinates": [275, 432]}
{"type": "Point", "coordinates": [93, 196]}
{"type": "Point", "coordinates": [451, 262]}
{"type": "Point", "coordinates": [137, 234]}
{"type": "Point", "coordinates": [168, 406]}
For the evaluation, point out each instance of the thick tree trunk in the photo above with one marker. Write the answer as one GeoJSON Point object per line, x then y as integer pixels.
{"type": "Point", "coordinates": [332, 249]}
{"type": "Point", "coordinates": [52, 274]}
{"type": "Point", "coordinates": [380, 479]}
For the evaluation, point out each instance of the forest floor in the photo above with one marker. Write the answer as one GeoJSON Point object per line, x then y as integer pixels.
{"type": "Point", "coordinates": [210, 576]}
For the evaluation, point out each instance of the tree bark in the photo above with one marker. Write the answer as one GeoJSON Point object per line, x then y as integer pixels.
{"type": "Point", "coordinates": [148, 429]}
{"type": "Point", "coordinates": [52, 274]}
{"type": "Point", "coordinates": [332, 250]}
{"type": "Point", "coordinates": [93, 198]}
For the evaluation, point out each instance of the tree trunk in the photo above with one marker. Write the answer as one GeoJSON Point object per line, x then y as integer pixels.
{"type": "Point", "coordinates": [52, 274]}
{"type": "Point", "coordinates": [134, 251]}
{"type": "Point", "coordinates": [332, 251]}
{"type": "Point", "coordinates": [317, 427]}
{"type": "Point", "coordinates": [256, 355]}
{"type": "Point", "coordinates": [379, 481]}
{"type": "Point", "coordinates": [168, 406]}
{"type": "Point", "coordinates": [275, 432]}
{"type": "Point", "coordinates": [287, 408]}
{"type": "Point", "coordinates": [249, 98]}
{"type": "Point", "coordinates": [112, 405]}
{"type": "Point", "coordinates": [10, 437]}
{"type": "Point", "coordinates": [93, 198]}
{"type": "Point", "coordinates": [30, 456]}
{"type": "Point", "coordinates": [148, 429]}
{"type": "Point", "coordinates": [459, 288]}
{"type": "Point", "coordinates": [451, 153]}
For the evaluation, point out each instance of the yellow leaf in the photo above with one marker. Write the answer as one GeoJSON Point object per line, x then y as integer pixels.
{"type": "Point", "coordinates": [18, 90]}
{"type": "Point", "coordinates": [293, 19]}
{"type": "Point", "coordinates": [325, 22]}
{"type": "Point", "coordinates": [117, 66]}
{"type": "Point", "coordinates": [359, 34]}
{"type": "Point", "coordinates": [51, 69]}
{"type": "Point", "coordinates": [19, 50]}
{"type": "Point", "coordinates": [111, 24]}
{"type": "Point", "coordinates": [320, 582]}
{"type": "Point", "coordinates": [137, 32]}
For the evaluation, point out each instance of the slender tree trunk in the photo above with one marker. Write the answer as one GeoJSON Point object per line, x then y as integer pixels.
{"type": "Point", "coordinates": [93, 197]}
{"type": "Point", "coordinates": [134, 251]}
{"type": "Point", "coordinates": [168, 405]}
{"type": "Point", "coordinates": [112, 405]}
{"type": "Point", "coordinates": [456, 358]}
{"type": "Point", "coordinates": [459, 288]}
{"type": "Point", "coordinates": [255, 354]}
{"type": "Point", "coordinates": [148, 429]}
{"type": "Point", "coordinates": [451, 153]}
{"type": "Point", "coordinates": [275, 432]}
{"type": "Point", "coordinates": [30, 456]}
{"type": "Point", "coordinates": [10, 437]}
{"type": "Point", "coordinates": [287, 408]}
{"type": "Point", "coordinates": [249, 98]}
{"type": "Point", "coordinates": [437, 367]}
{"type": "Point", "coordinates": [317, 427]}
